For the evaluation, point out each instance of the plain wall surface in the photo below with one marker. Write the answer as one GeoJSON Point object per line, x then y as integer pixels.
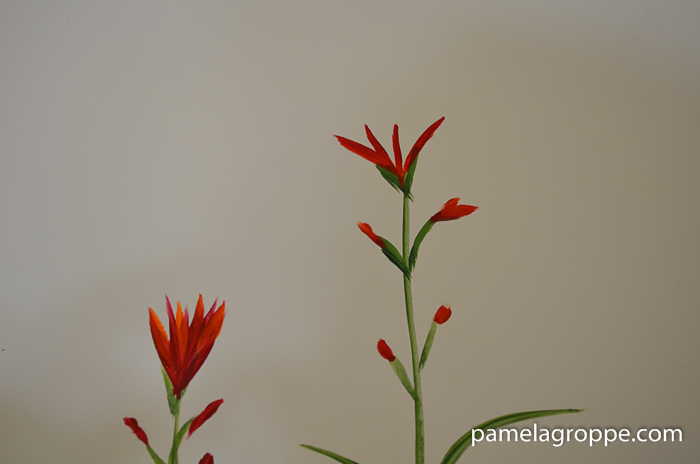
{"type": "Point", "coordinates": [152, 148]}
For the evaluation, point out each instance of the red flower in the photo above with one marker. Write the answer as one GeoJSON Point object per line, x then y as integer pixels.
{"type": "Point", "coordinates": [189, 344]}
{"type": "Point", "coordinates": [443, 314]}
{"type": "Point", "coordinates": [378, 155]}
{"type": "Point", "coordinates": [207, 459]}
{"type": "Point", "coordinates": [370, 233]}
{"type": "Point", "coordinates": [138, 431]}
{"type": "Point", "coordinates": [385, 351]}
{"type": "Point", "coordinates": [204, 416]}
{"type": "Point", "coordinates": [451, 210]}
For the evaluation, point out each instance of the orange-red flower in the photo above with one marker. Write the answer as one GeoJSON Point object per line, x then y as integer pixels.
{"type": "Point", "coordinates": [451, 211]}
{"type": "Point", "coordinates": [138, 431]}
{"type": "Point", "coordinates": [379, 156]}
{"type": "Point", "coordinates": [385, 351]}
{"type": "Point", "coordinates": [204, 416]}
{"type": "Point", "coordinates": [189, 344]}
{"type": "Point", "coordinates": [442, 314]}
{"type": "Point", "coordinates": [364, 227]}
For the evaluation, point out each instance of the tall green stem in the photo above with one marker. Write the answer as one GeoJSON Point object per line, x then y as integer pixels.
{"type": "Point", "coordinates": [173, 451]}
{"type": "Point", "coordinates": [418, 400]}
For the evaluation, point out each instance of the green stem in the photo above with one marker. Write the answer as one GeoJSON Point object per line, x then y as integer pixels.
{"type": "Point", "coordinates": [418, 398]}
{"type": "Point", "coordinates": [173, 450]}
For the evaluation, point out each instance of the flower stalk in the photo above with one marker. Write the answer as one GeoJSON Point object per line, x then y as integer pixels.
{"type": "Point", "coordinates": [399, 174]}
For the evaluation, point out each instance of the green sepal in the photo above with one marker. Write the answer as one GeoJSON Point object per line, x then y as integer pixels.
{"type": "Point", "coordinates": [400, 372]}
{"type": "Point", "coordinates": [408, 180]}
{"type": "Point", "coordinates": [417, 242]}
{"type": "Point", "coordinates": [428, 345]}
{"type": "Point", "coordinates": [173, 401]}
{"type": "Point", "coordinates": [154, 456]}
{"type": "Point", "coordinates": [330, 454]}
{"type": "Point", "coordinates": [391, 178]}
{"type": "Point", "coordinates": [394, 256]}
{"type": "Point", "coordinates": [461, 445]}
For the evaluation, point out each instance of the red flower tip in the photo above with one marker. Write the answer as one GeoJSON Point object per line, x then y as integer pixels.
{"type": "Point", "coordinates": [451, 211]}
{"type": "Point", "coordinates": [204, 416]}
{"type": "Point", "coordinates": [183, 354]}
{"type": "Point", "coordinates": [370, 233]}
{"type": "Point", "coordinates": [207, 459]}
{"type": "Point", "coordinates": [385, 351]}
{"type": "Point", "coordinates": [443, 314]}
{"type": "Point", "coordinates": [138, 431]}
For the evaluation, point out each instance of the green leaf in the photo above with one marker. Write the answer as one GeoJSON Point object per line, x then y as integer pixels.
{"type": "Point", "coordinates": [395, 257]}
{"type": "Point", "coordinates": [400, 372]}
{"type": "Point", "coordinates": [173, 401]}
{"type": "Point", "coordinates": [416, 244]}
{"type": "Point", "coordinates": [330, 454]}
{"type": "Point", "coordinates": [461, 445]}
{"type": "Point", "coordinates": [154, 456]}
{"type": "Point", "coordinates": [391, 178]}
{"type": "Point", "coordinates": [428, 345]}
{"type": "Point", "coordinates": [408, 181]}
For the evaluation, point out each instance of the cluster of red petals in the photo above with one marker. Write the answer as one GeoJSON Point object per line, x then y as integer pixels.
{"type": "Point", "coordinates": [364, 227]}
{"type": "Point", "coordinates": [385, 351]}
{"type": "Point", "coordinates": [190, 343]}
{"type": "Point", "coordinates": [379, 156]}
{"type": "Point", "coordinates": [138, 431]}
{"type": "Point", "coordinates": [451, 211]}
{"type": "Point", "coordinates": [443, 314]}
{"type": "Point", "coordinates": [204, 416]}
{"type": "Point", "coordinates": [207, 459]}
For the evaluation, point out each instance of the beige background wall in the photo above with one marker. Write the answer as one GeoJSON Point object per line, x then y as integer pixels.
{"type": "Point", "coordinates": [151, 148]}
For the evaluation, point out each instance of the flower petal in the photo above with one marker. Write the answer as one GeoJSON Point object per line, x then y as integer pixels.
{"type": "Point", "coordinates": [451, 211]}
{"type": "Point", "coordinates": [385, 351]}
{"type": "Point", "coordinates": [420, 143]}
{"type": "Point", "coordinates": [207, 459]}
{"type": "Point", "coordinates": [365, 152]}
{"type": "Point", "coordinates": [209, 411]}
{"type": "Point", "coordinates": [397, 148]}
{"type": "Point", "coordinates": [443, 314]}
{"type": "Point", "coordinates": [138, 431]}
{"type": "Point", "coordinates": [367, 230]}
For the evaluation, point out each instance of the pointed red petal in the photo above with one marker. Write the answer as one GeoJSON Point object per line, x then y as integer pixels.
{"type": "Point", "coordinates": [138, 431]}
{"type": "Point", "coordinates": [451, 211]}
{"type": "Point", "coordinates": [204, 416]}
{"type": "Point", "coordinates": [397, 148]}
{"type": "Point", "coordinates": [359, 149]}
{"type": "Point", "coordinates": [207, 459]}
{"type": "Point", "coordinates": [378, 148]}
{"type": "Point", "coordinates": [422, 140]}
{"type": "Point", "coordinates": [160, 340]}
{"type": "Point", "coordinates": [367, 230]}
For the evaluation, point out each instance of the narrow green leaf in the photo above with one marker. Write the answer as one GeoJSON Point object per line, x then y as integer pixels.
{"type": "Point", "coordinates": [154, 456]}
{"type": "Point", "coordinates": [183, 430]}
{"type": "Point", "coordinates": [428, 345]}
{"type": "Point", "coordinates": [416, 244]}
{"type": "Point", "coordinates": [173, 401]}
{"type": "Point", "coordinates": [400, 372]}
{"type": "Point", "coordinates": [461, 445]}
{"type": "Point", "coordinates": [408, 181]}
{"type": "Point", "coordinates": [395, 257]}
{"type": "Point", "coordinates": [391, 178]}
{"type": "Point", "coordinates": [330, 454]}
